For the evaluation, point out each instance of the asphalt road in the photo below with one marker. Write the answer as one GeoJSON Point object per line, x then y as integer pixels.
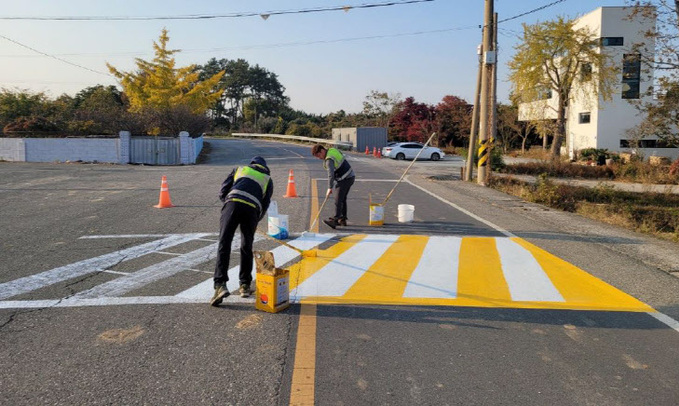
{"type": "Point", "coordinates": [73, 231]}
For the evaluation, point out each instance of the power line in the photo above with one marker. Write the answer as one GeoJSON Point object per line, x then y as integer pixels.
{"type": "Point", "coordinates": [264, 15]}
{"type": "Point", "coordinates": [531, 11]}
{"type": "Point", "coordinates": [53, 57]}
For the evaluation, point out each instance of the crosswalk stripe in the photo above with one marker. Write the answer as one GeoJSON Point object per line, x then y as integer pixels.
{"type": "Point", "coordinates": [436, 273]}
{"type": "Point", "coordinates": [281, 254]}
{"type": "Point", "coordinates": [525, 277]}
{"type": "Point", "coordinates": [338, 276]}
{"type": "Point", "coordinates": [388, 276]}
{"type": "Point", "coordinates": [100, 263]}
{"type": "Point", "coordinates": [302, 270]}
{"type": "Point", "coordinates": [480, 275]}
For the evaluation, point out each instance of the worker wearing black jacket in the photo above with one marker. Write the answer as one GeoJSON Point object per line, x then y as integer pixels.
{"type": "Point", "coordinates": [246, 194]}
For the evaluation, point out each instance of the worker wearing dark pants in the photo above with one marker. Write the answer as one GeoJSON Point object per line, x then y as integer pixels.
{"type": "Point", "coordinates": [246, 194]}
{"type": "Point", "coordinates": [340, 178]}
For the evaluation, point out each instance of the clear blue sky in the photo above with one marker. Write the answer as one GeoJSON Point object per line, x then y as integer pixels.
{"type": "Point", "coordinates": [332, 74]}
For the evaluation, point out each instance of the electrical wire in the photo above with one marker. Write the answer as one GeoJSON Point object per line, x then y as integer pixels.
{"type": "Point", "coordinates": [264, 14]}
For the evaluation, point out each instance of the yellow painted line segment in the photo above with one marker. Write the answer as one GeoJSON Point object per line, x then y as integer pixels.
{"type": "Point", "coordinates": [578, 286]}
{"type": "Point", "coordinates": [314, 205]}
{"type": "Point", "coordinates": [480, 276]}
{"type": "Point", "coordinates": [388, 276]}
{"type": "Point", "coordinates": [304, 369]}
{"type": "Point", "coordinates": [308, 266]}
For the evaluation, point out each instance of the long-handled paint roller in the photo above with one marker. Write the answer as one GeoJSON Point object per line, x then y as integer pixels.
{"type": "Point", "coordinates": [317, 214]}
{"type": "Point", "coordinates": [303, 253]}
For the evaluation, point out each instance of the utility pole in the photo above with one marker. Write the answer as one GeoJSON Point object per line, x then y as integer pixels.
{"type": "Point", "coordinates": [486, 84]}
{"type": "Point", "coordinates": [473, 134]}
{"type": "Point", "coordinates": [493, 98]}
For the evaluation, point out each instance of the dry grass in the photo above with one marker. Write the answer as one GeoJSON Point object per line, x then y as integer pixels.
{"type": "Point", "coordinates": [651, 213]}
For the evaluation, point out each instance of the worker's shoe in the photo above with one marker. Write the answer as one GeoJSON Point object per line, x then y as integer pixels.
{"type": "Point", "coordinates": [331, 222]}
{"type": "Point", "coordinates": [220, 293]}
{"type": "Point", "coordinates": [342, 222]}
{"type": "Point", "coordinates": [244, 290]}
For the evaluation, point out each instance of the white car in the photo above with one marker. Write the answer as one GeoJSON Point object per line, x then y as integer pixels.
{"type": "Point", "coordinates": [409, 150]}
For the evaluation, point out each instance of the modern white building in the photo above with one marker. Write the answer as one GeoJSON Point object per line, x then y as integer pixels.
{"type": "Point", "coordinates": [592, 122]}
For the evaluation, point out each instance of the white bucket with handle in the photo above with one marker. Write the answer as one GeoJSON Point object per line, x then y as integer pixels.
{"type": "Point", "coordinates": [278, 226]}
{"type": "Point", "coordinates": [406, 213]}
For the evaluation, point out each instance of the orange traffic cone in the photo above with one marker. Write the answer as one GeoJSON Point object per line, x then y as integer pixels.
{"type": "Point", "coordinates": [379, 153]}
{"type": "Point", "coordinates": [164, 200]}
{"type": "Point", "coordinates": [375, 152]}
{"type": "Point", "coordinates": [367, 150]}
{"type": "Point", "coordinates": [292, 191]}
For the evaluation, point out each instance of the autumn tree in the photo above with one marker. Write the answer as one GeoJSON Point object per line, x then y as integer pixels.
{"type": "Point", "coordinates": [413, 121]}
{"type": "Point", "coordinates": [550, 59]}
{"type": "Point", "coordinates": [453, 120]}
{"type": "Point", "coordinates": [160, 84]}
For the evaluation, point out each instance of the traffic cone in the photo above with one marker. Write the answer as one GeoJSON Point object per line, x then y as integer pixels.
{"type": "Point", "coordinates": [375, 152]}
{"type": "Point", "coordinates": [292, 191]}
{"type": "Point", "coordinates": [367, 150]}
{"type": "Point", "coordinates": [379, 153]}
{"type": "Point", "coordinates": [164, 200]}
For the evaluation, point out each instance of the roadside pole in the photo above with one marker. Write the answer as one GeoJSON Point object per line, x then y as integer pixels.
{"type": "Point", "coordinates": [485, 111]}
{"type": "Point", "coordinates": [473, 134]}
{"type": "Point", "coordinates": [493, 100]}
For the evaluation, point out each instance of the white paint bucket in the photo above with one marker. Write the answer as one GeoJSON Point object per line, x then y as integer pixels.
{"type": "Point", "coordinates": [406, 212]}
{"type": "Point", "coordinates": [273, 209]}
{"type": "Point", "coordinates": [278, 226]}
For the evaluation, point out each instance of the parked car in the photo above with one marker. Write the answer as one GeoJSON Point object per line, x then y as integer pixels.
{"type": "Point", "coordinates": [409, 150]}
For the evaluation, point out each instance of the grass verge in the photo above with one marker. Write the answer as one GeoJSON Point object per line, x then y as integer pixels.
{"type": "Point", "coordinates": [651, 213]}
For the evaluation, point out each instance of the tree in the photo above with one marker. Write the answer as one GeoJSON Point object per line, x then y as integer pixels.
{"type": "Point", "coordinates": [159, 84]}
{"type": "Point", "coordinates": [379, 107]}
{"type": "Point", "coordinates": [551, 57]}
{"type": "Point", "coordinates": [21, 103]}
{"type": "Point", "coordinates": [453, 120]}
{"type": "Point", "coordinates": [413, 121]}
{"type": "Point", "coordinates": [510, 129]}
{"type": "Point", "coordinates": [662, 114]}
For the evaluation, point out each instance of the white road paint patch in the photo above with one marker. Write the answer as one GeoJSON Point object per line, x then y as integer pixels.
{"type": "Point", "coordinates": [436, 273]}
{"type": "Point", "coordinates": [663, 318]}
{"type": "Point", "coordinates": [335, 278]}
{"type": "Point", "coordinates": [525, 278]}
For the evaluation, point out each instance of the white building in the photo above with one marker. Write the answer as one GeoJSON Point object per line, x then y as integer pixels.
{"type": "Point", "coordinates": [592, 122]}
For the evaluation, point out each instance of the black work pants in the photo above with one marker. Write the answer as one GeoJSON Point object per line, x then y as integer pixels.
{"type": "Point", "coordinates": [341, 192]}
{"type": "Point", "coordinates": [236, 214]}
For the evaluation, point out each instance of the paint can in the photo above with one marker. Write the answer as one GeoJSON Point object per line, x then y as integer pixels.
{"type": "Point", "coordinates": [406, 213]}
{"type": "Point", "coordinates": [376, 213]}
{"type": "Point", "coordinates": [278, 226]}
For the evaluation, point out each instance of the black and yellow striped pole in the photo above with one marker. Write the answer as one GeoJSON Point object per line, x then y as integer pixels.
{"type": "Point", "coordinates": [486, 107]}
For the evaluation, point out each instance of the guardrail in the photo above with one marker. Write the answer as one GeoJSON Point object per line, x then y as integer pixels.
{"type": "Point", "coordinates": [339, 144]}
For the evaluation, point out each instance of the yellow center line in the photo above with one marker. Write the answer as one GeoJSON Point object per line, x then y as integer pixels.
{"type": "Point", "coordinates": [314, 205]}
{"type": "Point", "coordinates": [304, 370]}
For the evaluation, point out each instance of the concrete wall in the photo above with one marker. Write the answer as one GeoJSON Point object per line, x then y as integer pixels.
{"type": "Point", "coordinates": [12, 149]}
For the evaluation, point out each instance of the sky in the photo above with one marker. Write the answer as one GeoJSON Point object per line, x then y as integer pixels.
{"type": "Point", "coordinates": [327, 61]}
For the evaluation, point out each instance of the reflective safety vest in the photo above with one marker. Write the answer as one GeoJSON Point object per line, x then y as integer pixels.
{"type": "Point", "coordinates": [342, 167]}
{"type": "Point", "coordinates": [249, 187]}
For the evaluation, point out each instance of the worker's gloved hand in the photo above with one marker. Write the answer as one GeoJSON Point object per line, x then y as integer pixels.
{"type": "Point", "coordinates": [328, 193]}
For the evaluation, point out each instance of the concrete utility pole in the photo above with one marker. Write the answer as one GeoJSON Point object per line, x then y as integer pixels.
{"type": "Point", "coordinates": [486, 85]}
{"type": "Point", "coordinates": [473, 134]}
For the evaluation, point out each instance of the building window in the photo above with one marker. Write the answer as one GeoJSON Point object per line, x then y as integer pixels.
{"type": "Point", "coordinates": [544, 93]}
{"type": "Point", "coordinates": [585, 72]}
{"type": "Point", "coordinates": [631, 75]}
{"type": "Point", "coordinates": [584, 118]}
{"type": "Point", "coordinates": [612, 41]}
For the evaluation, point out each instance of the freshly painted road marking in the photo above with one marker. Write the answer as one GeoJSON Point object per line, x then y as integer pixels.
{"type": "Point", "coordinates": [436, 274]}
{"type": "Point", "coordinates": [337, 276]}
{"type": "Point", "coordinates": [355, 269]}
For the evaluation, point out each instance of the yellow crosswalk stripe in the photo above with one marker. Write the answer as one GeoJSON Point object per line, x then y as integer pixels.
{"type": "Point", "coordinates": [387, 278]}
{"type": "Point", "coordinates": [302, 270]}
{"type": "Point", "coordinates": [480, 275]}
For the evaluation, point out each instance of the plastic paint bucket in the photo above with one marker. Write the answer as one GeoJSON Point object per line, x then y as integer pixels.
{"type": "Point", "coordinates": [406, 212]}
{"type": "Point", "coordinates": [376, 214]}
{"type": "Point", "coordinates": [278, 226]}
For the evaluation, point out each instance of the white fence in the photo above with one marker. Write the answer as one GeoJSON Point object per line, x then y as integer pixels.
{"type": "Point", "coordinates": [109, 150]}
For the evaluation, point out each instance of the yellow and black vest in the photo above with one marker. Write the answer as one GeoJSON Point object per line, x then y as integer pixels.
{"type": "Point", "coordinates": [249, 186]}
{"type": "Point", "coordinates": [342, 167]}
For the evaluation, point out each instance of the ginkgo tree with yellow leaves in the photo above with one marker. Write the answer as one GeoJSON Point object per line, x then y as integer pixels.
{"type": "Point", "coordinates": [160, 85]}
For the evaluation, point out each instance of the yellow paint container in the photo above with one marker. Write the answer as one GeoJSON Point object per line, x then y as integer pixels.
{"type": "Point", "coordinates": [376, 217]}
{"type": "Point", "coordinates": [273, 284]}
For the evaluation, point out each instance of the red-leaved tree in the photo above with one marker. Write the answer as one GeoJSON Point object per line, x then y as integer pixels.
{"type": "Point", "coordinates": [413, 121]}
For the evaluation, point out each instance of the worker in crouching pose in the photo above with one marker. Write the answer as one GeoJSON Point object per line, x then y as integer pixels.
{"type": "Point", "coordinates": [246, 194]}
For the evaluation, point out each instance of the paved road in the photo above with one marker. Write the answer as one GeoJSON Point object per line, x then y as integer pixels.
{"type": "Point", "coordinates": [483, 299]}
